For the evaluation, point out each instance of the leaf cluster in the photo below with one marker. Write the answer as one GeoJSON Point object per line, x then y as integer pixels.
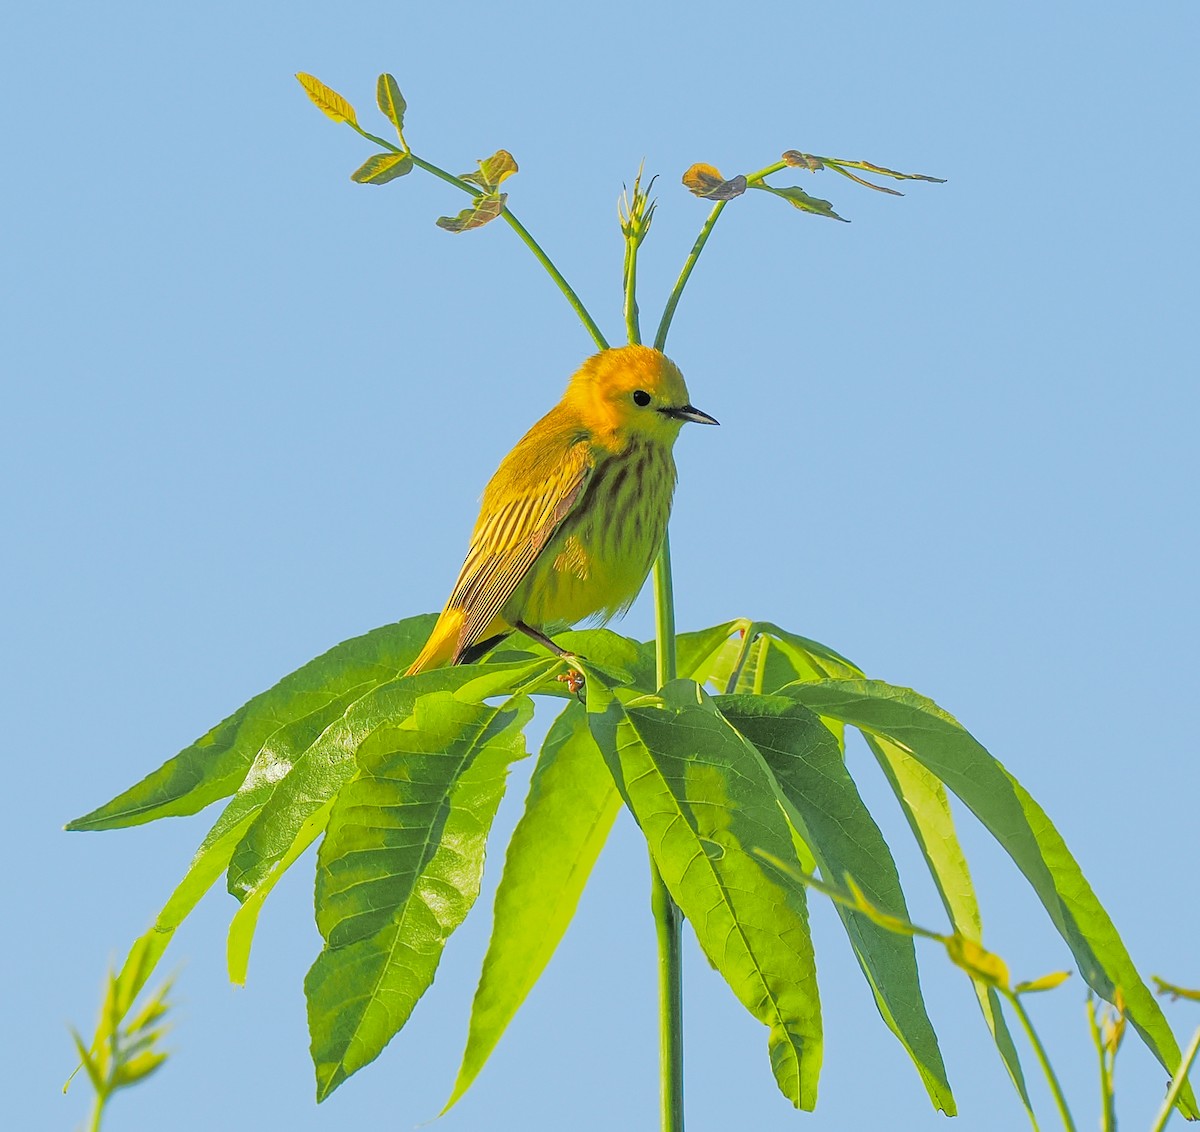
{"type": "Point", "coordinates": [124, 1053]}
{"type": "Point", "coordinates": [735, 773]}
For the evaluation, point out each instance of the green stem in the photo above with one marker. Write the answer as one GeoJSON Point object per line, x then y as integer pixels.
{"type": "Point", "coordinates": [660, 338]}
{"type": "Point", "coordinates": [1043, 1060]}
{"type": "Point", "coordinates": [668, 925]}
{"type": "Point", "coordinates": [1177, 1082]}
{"type": "Point", "coordinates": [664, 325]}
{"type": "Point", "coordinates": [1108, 1115]}
{"type": "Point", "coordinates": [520, 229]}
{"type": "Point", "coordinates": [749, 636]}
{"type": "Point", "coordinates": [632, 326]}
{"type": "Point", "coordinates": [565, 287]}
{"type": "Point", "coordinates": [97, 1113]}
{"type": "Point", "coordinates": [664, 614]}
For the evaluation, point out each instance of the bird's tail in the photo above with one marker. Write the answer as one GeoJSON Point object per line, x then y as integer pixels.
{"type": "Point", "coordinates": [443, 642]}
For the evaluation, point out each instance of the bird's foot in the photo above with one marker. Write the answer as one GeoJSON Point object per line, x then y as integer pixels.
{"type": "Point", "coordinates": [574, 680]}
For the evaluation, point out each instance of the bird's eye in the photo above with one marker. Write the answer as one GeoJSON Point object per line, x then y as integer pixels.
{"type": "Point", "coordinates": [641, 397]}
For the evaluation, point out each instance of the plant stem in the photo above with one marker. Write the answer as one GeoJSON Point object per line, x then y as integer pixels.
{"type": "Point", "coordinates": [664, 614]}
{"type": "Point", "coordinates": [1177, 1082]}
{"type": "Point", "coordinates": [668, 920]}
{"type": "Point", "coordinates": [668, 924]}
{"type": "Point", "coordinates": [632, 327]}
{"type": "Point", "coordinates": [660, 338]}
{"type": "Point", "coordinates": [568, 291]}
{"type": "Point", "coordinates": [664, 325]}
{"type": "Point", "coordinates": [1043, 1060]}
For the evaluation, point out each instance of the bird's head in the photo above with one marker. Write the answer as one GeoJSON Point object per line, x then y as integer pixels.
{"type": "Point", "coordinates": [633, 391]}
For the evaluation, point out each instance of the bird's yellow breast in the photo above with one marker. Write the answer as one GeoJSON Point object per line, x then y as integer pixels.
{"type": "Point", "coordinates": [599, 557]}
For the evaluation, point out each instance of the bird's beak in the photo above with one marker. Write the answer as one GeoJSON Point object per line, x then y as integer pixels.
{"type": "Point", "coordinates": [690, 413]}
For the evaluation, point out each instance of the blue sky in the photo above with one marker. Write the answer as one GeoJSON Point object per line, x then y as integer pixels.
{"type": "Point", "coordinates": [251, 406]}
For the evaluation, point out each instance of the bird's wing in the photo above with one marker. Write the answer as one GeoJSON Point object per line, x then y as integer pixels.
{"type": "Point", "coordinates": [511, 534]}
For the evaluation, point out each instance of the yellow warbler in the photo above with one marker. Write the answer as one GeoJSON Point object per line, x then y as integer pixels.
{"type": "Point", "coordinates": [574, 516]}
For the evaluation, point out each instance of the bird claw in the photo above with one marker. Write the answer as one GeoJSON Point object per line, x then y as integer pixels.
{"type": "Point", "coordinates": [574, 680]}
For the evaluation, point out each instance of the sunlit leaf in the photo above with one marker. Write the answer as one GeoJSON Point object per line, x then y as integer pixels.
{"type": "Point", "coordinates": [977, 961]}
{"type": "Point", "coordinates": [87, 1061]}
{"type": "Point", "coordinates": [798, 198]}
{"type": "Point", "coordinates": [295, 808]}
{"type": "Point", "coordinates": [824, 805]}
{"type": "Point", "coordinates": [391, 101]}
{"type": "Point", "coordinates": [328, 101]}
{"type": "Point", "coordinates": [138, 1068]}
{"type": "Point", "coordinates": [380, 168]}
{"type": "Point", "coordinates": [705, 802]}
{"type": "Point", "coordinates": [1045, 983]}
{"type": "Point", "coordinates": [570, 809]}
{"type": "Point", "coordinates": [493, 171]}
{"type": "Point", "coordinates": [707, 182]}
{"type": "Point", "coordinates": [944, 747]}
{"type": "Point", "coordinates": [217, 763]}
{"type": "Point", "coordinates": [923, 799]}
{"type": "Point", "coordinates": [400, 868]}
{"type": "Point", "coordinates": [486, 208]}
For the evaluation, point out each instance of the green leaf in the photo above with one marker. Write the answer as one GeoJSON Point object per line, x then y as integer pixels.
{"type": "Point", "coordinates": [138, 1068]}
{"type": "Point", "coordinates": [328, 101]}
{"type": "Point", "coordinates": [811, 659]}
{"type": "Point", "coordinates": [217, 763]}
{"type": "Point", "coordinates": [380, 168]}
{"type": "Point", "coordinates": [630, 662]}
{"type": "Point", "coordinates": [798, 198]}
{"type": "Point", "coordinates": [712, 655]}
{"type": "Point", "coordinates": [923, 799]}
{"type": "Point", "coordinates": [210, 861]}
{"type": "Point", "coordinates": [823, 804]}
{"type": "Point", "coordinates": [945, 748]}
{"type": "Point", "coordinates": [294, 809]}
{"type": "Point", "coordinates": [706, 181]}
{"type": "Point", "coordinates": [485, 209]}
{"type": "Point", "coordinates": [568, 815]}
{"type": "Point", "coordinates": [307, 763]}
{"type": "Point", "coordinates": [391, 101]}
{"type": "Point", "coordinates": [696, 653]}
{"type": "Point", "coordinates": [245, 920]}
{"type": "Point", "coordinates": [705, 801]}
{"type": "Point", "coordinates": [493, 171]}
{"type": "Point", "coordinates": [298, 808]}
{"type": "Point", "coordinates": [868, 167]}
{"type": "Point", "coordinates": [399, 869]}
{"type": "Point", "coordinates": [88, 1062]}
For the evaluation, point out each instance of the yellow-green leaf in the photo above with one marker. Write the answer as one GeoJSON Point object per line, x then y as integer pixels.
{"type": "Point", "coordinates": [380, 168]}
{"type": "Point", "coordinates": [1161, 986]}
{"type": "Point", "coordinates": [706, 181]}
{"type": "Point", "coordinates": [328, 101]}
{"type": "Point", "coordinates": [485, 209]}
{"type": "Point", "coordinates": [977, 961]}
{"type": "Point", "coordinates": [493, 171]}
{"type": "Point", "coordinates": [1046, 982]}
{"type": "Point", "coordinates": [391, 101]}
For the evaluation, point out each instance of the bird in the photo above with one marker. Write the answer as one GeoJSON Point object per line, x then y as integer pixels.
{"type": "Point", "coordinates": [573, 518]}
